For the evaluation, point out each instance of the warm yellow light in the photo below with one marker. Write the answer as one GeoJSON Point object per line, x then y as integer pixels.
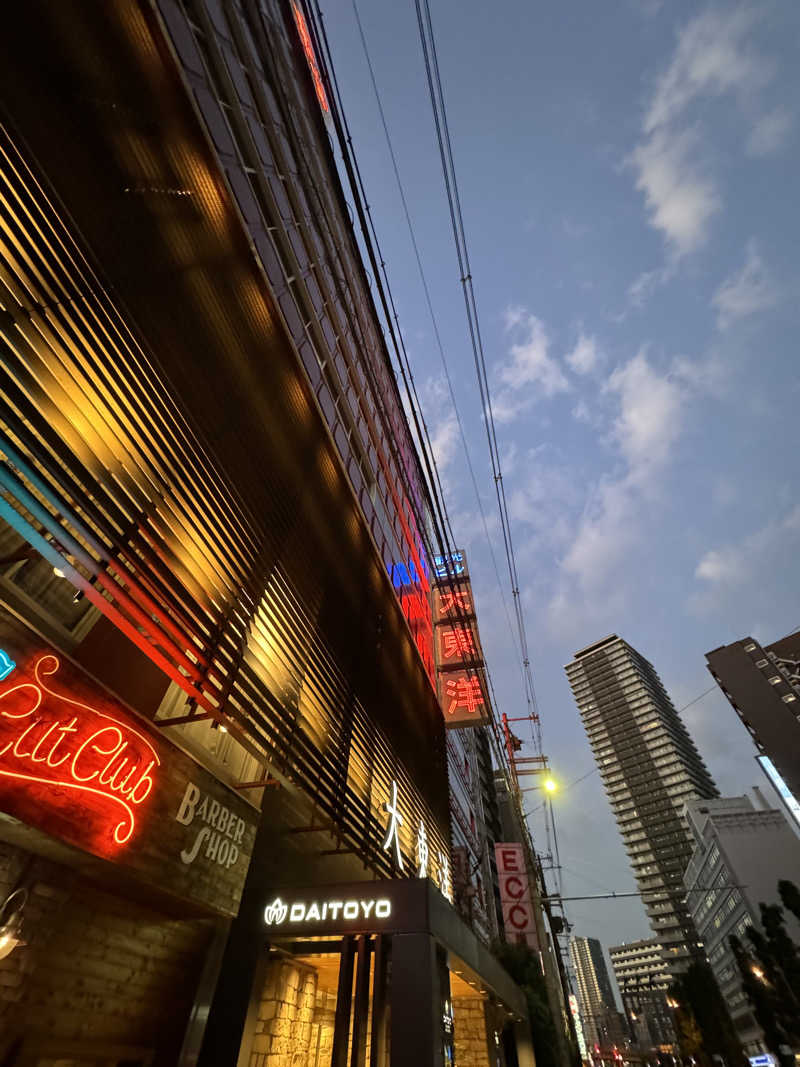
{"type": "Point", "coordinates": [58, 572]}
{"type": "Point", "coordinates": [758, 973]}
{"type": "Point", "coordinates": [550, 785]}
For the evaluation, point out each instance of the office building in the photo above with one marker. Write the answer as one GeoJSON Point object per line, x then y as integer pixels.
{"type": "Point", "coordinates": [762, 683]}
{"type": "Point", "coordinates": [643, 981]}
{"type": "Point", "coordinates": [650, 769]}
{"type": "Point", "coordinates": [223, 759]}
{"type": "Point", "coordinates": [602, 1027]}
{"type": "Point", "coordinates": [741, 853]}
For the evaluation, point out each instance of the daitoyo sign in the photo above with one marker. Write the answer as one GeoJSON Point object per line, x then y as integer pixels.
{"type": "Point", "coordinates": [327, 911]}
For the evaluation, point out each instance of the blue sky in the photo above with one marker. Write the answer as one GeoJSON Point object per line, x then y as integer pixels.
{"type": "Point", "coordinates": [629, 191]}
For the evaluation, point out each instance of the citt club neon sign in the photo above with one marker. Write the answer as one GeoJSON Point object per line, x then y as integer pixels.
{"type": "Point", "coordinates": [56, 747]}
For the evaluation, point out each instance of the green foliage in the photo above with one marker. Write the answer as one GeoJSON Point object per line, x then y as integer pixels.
{"type": "Point", "coordinates": [524, 967]}
{"type": "Point", "coordinates": [790, 895]}
{"type": "Point", "coordinates": [760, 992]}
{"type": "Point", "coordinates": [703, 1007]}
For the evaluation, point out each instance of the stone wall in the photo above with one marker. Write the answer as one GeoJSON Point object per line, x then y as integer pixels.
{"type": "Point", "coordinates": [295, 1019]}
{"type": "Point", "coordinates": [469, 1023]}
{"type": "Point", "coordinates": [97, 971]}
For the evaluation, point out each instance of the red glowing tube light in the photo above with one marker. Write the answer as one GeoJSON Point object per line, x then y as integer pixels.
{"type": "Point", "coordinates": [60, 747]}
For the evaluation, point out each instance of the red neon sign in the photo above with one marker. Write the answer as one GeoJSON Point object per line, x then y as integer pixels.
{"type": "Point", "coordinates": [66, 751]}
{"type": "Point", "coordinates": [311, 59]}
{"type": "Point", "coordinates": [464, 692]}
{"type": "Point", "coordinates": [458, 642]}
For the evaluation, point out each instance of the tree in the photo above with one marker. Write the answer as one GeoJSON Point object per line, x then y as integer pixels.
{"type": "Point", "coordinates": [699, 998]}
{"type": "Point", "coordinates": [761, 994]}
{"type": "Point", "coordinates": [783, 960]}
{"type": "Point", "coordinates": [790, 895]}
{"type": "Point", "coordinates": [524, 967]}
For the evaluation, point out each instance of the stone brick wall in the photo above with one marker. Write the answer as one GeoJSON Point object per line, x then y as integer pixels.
{"type": "Point", "coordinates": [295, 1019]}
{"type": "Point", "coordinates": [469, 1023]}
{"type": "Point", "coordinates": [97, 970]}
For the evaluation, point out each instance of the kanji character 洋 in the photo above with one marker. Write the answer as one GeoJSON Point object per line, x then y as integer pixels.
{"type": "Point", "coordinates": [464, 692]}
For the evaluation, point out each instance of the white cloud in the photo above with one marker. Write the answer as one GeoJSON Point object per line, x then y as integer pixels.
{"type": "Point", "coordinates": [747, 292]}
{"type": "Point", "coordinates": [584, 356]}
{"type": "Point", "coordinates": [441, 420]}
{"type": "Point", "coordinates": [650, 416]}
{"type": "Point", "coordinates": [713, 58]}
{"type": "Point", "coordinates": [759, 564]}
{"type": "Point", "coordinates": [543, 502]}
{"type": "Point", "coordinates": [529, 365]}
{"type": "Point", "coordinates": [645, 430]}
{"type": "Point", "coordinates": [681, 199]}
{"type": "Point", "coordinates": [769, 134]}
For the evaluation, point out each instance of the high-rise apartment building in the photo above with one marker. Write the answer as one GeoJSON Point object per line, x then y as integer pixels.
{"type": "Point", "coordinates": [650, 768]}
{"type": "Point", "coordinates": [741, 853]}
{"type": "Point", "coordinates": [602, 1026]}
{"type": "Point", "coordinates": [762, 683]}
{"type": "Point", "coordinates": [643, 980]}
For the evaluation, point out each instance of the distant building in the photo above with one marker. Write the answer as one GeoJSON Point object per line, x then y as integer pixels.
{"type": "Point", "coordinates": [602, 1025]}
{"type": "Point", "coordinates": [643, 981]}
{"type": "Point", "coordinates": [650, 768]}
{"type": "Point", "coordinates": [740, 855]}
{"type": "Point", "coordinates": [762, 683]}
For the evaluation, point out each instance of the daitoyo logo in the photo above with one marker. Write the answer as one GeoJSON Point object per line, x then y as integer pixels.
{"type": "Point", "coordinates": [276, 912]}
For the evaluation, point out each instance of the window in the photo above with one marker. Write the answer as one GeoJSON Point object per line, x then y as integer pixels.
{"type": "Point", "coordinates": [789, 698]}
{"type": "Point", "coordinates": [774, 679]}
{"type": "Point", "coordinates": [750, 648]}
{"type": "Point", "coordinates": [762, 662]}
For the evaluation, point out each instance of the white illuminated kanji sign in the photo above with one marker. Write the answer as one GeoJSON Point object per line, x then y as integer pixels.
{"type": "Point", "coordinates": [395, 822]}
{"type": "Point", "coordinates": [422, 851]}
{"type": "Point", "coordinates": [444, 874]}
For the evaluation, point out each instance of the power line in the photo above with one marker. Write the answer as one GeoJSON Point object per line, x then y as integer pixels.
{"type": "Point", "coordinates": [428, 42]}
{"type": "Point", "coordinates": [641, 893]}
{"type": "Point", "coordinates": [431, 483]}
{"type": "Point", "coordinates": [434, 322]}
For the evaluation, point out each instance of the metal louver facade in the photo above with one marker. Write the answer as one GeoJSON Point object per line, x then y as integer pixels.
{"type": "Point", "coordinates": [164, 439]}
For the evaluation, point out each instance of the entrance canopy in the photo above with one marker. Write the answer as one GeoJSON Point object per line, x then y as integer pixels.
{"type": "Point", "coordinates": [393, 907]}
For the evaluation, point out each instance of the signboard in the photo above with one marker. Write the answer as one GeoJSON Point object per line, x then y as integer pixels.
{"type": "Point", "coordinates": [77, 765]}
{"type": "Point", "coordinates": [462, 688]}
{"type": "Point", "coordinates": [515, 895]}
{"type": "Point", "coordinates": [787, 797]}
{"type": "Point", "coordinates": [361, 907]}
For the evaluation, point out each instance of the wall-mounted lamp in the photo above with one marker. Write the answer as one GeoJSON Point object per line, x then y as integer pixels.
{"type": "Point", "coordinates": [11, 922]}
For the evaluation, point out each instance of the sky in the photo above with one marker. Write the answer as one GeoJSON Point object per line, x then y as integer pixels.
{"type": "Point", "coordinates": [629, 184]}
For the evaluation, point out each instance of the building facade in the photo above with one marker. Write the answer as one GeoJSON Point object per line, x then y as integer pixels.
{"type": "Point", "coordinates": [741, 853]}
{"type": "Point", "coordinates": [227, 826]}
{"type": "Point", "coordinates": [650, 768]}
{"type": "Point", "coordinates": [762, 684]}
{"type": "Point", "coordinates": [602, 1028]}
{"type": "Point", "coordinates": [643, 981]}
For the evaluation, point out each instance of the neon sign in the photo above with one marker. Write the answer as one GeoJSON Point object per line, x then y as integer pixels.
{"type": "Point", "coordinates": [450, 565]}
{"type": "Point", "coordinates": [276, 913]}
{"type": "Point", "coordinates": [395, 822]}
{"type": "Point", "coordinates": [311, 59]}
{"type": "Point", "coordinates": [60, 748]}
{"type": "Point", "coordinates": [7, 665]}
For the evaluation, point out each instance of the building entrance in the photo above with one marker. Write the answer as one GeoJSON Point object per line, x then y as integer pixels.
{"type": "Point", "coordinates": [416, 989]}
